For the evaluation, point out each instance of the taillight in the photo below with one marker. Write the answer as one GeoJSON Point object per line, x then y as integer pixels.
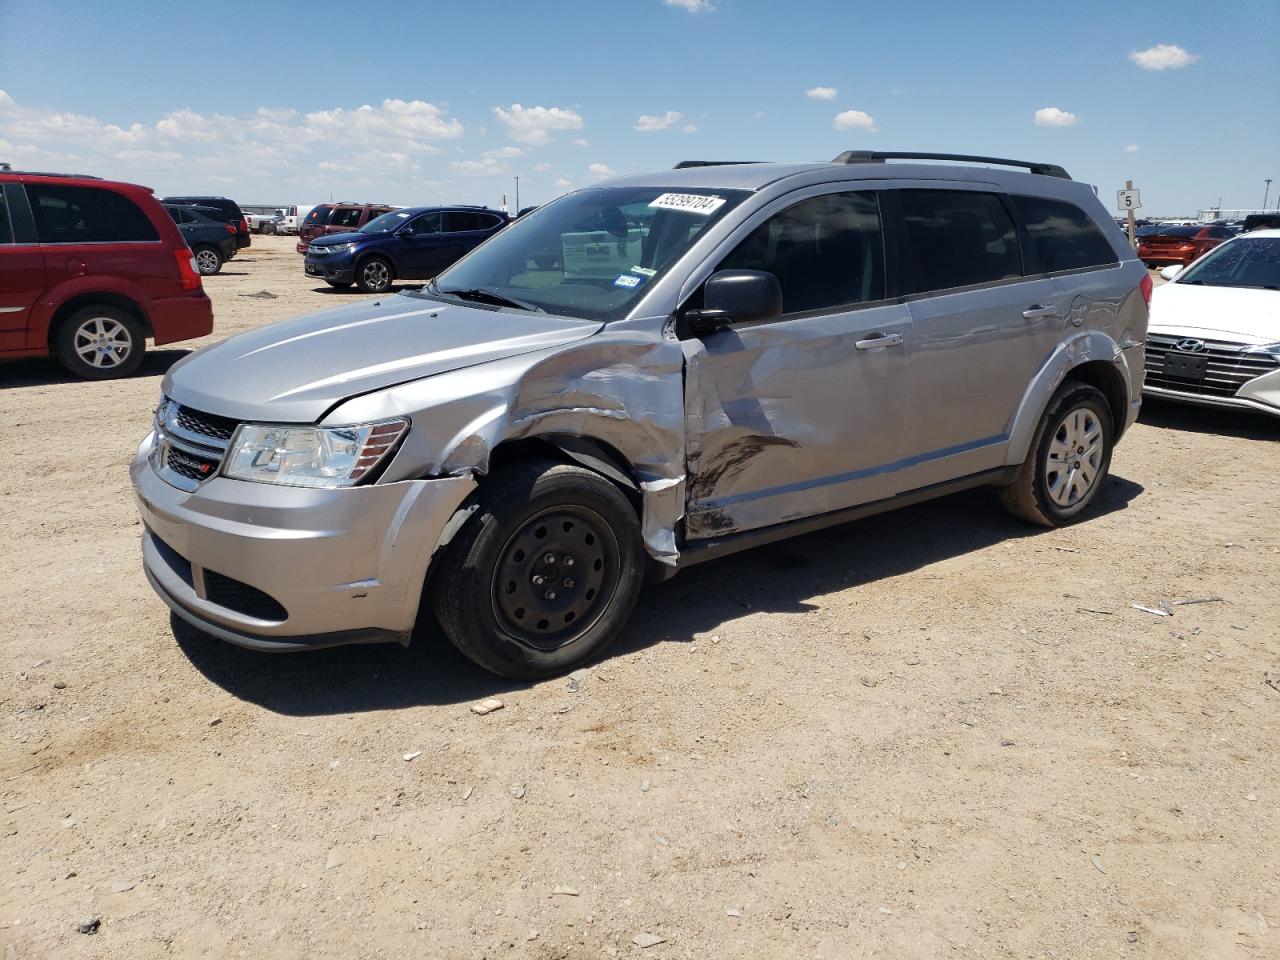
{"type": "Point", "coordinates": [1146, 287]}
{"type": "Point", "coordinates": [188, 272]}
{"type": "Point", "coordinates": [244, 224]}
{"type": "Point", "coordinates": [230, 228]}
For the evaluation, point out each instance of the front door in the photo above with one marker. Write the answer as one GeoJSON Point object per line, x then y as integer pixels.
{"type": "Point", "coordinates": [801, 415]}
{"type": "Point", "coordinates": [418, 248]}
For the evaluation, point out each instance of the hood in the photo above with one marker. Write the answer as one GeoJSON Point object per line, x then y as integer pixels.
{"type": "Point", "coordinates": [296, 370]}
{"type": "Point", "coordinates": [333, 239]}
{"type": "Point", "coordinates": [1217, 313]}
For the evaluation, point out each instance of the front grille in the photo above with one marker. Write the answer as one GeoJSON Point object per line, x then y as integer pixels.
{"type": "Point", "coordinates": [205, 424]}
{"type": "Point", "coordinates": [242, 598]}
{"type": "Point", "coordinates": [186, 464]}
{"type": "Point", "coordinates": [1230, 367]}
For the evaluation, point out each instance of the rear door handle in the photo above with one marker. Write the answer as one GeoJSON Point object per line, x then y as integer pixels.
{"type": "Point", "coordinates": [878, 340]}
{"type": "Point", "coordinates": [1035, 311]}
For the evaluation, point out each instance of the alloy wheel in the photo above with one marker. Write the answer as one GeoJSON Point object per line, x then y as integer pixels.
{"type": "Point", "coordinates": [206, 261]}
{"type": "Point", "coordinates": [376, 275]}
{"type": "Point", "coordinates": [103, 342]}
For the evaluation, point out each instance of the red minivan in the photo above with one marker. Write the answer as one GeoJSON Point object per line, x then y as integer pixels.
{"type": "Point", "coordinates": [89, 270]}
{"type": "Point", "coordinates": [337, 218]}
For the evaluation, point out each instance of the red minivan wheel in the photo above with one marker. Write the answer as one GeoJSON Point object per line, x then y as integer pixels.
{"type": "Point", "coordinates": [100, 343]}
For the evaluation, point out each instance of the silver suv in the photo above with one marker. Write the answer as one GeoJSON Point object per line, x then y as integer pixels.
{"type": "Point", "coordinates": [643, 375]}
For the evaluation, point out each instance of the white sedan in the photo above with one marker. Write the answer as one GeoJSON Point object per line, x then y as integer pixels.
{"type": "Point", "coordinates": [1214, 336]}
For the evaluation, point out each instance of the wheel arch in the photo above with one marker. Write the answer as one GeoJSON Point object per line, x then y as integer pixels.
{"type": "Point", "coordinates": [72, 304]}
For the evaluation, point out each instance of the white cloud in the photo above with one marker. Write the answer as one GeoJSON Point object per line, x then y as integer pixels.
{"type": "Point", "coordinates": [689, 128]}
{"type": "Point", "coordinates": [563, 182]}
{"type": "Point", "coordinates": [693, 6]}
{"type": "Point", "coordinates": [896, 91]}
{"type": "Point", "coordinates": [488, 167]}
{"type": "Point", "coordinates": [581, 142]}
{"type": "Point", "coordinates": [403, 119]}
{"type": "Point", "coordinates": [854, 120]}
{"type": "Point", "coordinates": [601, 170]}
{"type": "Point", "coordinates": [533, 125]}
{"type": "Point", "coordinates": [1053, 117]}
{"type": "Point", "coordinates": [504, 152]}
{"type": "Point", "coordinates": [647, 124]}
{"type": "Point", "coordinates": [541, 167]}
{"type": "Point", "coordinates": [1132, 148]}
{"type": "Point", "coordinates": [1163, 56]}
{"type": "Point", "coordinates": [821, 93]}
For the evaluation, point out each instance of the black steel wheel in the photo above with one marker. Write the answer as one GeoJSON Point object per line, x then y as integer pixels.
{"type": "Point", "coordinates": [544, 573]}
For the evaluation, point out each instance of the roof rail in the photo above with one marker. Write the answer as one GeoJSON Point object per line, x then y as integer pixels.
{"type": "Point", "coordinates": [877, 156]}
{"type": "Point", "coordinates": [686, 164]}
{"type": "Point", "coordinates": [41, 173]}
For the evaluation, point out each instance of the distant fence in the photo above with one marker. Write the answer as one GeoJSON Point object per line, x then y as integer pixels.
{"type": "Point", "coordinates": [1219, 213]}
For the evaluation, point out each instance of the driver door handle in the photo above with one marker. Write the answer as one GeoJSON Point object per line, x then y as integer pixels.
{"type": "Point", "coordinates": [1035, 311]}
{"type": "Point", "coordinates": [879, 340]}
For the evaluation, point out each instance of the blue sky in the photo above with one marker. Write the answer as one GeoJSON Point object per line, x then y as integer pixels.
{"type": "Point", "coordinates": [424, 102]}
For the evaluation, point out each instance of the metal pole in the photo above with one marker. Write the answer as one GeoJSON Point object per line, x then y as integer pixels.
{"type": "Point", "coordinates": [1266, 195]}
{"type": "Point", "coordinates": [518, 196]}
{"type": "Point", "coordinates": [1128, 185]}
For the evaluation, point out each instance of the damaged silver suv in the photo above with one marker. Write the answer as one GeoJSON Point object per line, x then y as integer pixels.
{"type": "Point", "coordinates": [642, 375]}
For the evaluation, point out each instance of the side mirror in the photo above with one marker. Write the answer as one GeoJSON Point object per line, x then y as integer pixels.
{"type": "Point", "coordinates": [736, 296]}
{"type": "Point", "coordinates": [405, 232]}
{"type": "Point", "coordinates": [1170, 272]}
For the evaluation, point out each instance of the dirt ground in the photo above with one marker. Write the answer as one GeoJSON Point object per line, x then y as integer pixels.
{"type": "Point", "coordinates": [936, 733]}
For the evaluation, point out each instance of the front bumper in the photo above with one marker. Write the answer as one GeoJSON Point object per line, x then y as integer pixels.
{"type": "Point", "coordinates": [342, 565]}
{"type": "Point", "coordinates": [337, 269]}
{"type": "Point", "coordinates": [1258, 399]}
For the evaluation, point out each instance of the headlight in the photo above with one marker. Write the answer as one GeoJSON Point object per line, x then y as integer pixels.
{"type": "Point", "coordinates": [311, 456]}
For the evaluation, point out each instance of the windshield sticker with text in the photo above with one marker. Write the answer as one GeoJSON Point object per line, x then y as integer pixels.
{"type": "Point", "coordinates": [626, 280]}
{"type": "Point", "coordinates": [688, 202]}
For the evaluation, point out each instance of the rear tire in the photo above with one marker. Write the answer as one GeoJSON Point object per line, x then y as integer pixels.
{"type": "Point", "coordinates": [208, 260]}
{"type": "Point", "coordinates": [544, 574]}
{"type": "Point", "coordinates": [100, 343]}
{"type": "Point", "coordinates": [1069, 459]}
{"type": "Point", "coordinates": [374, 275]}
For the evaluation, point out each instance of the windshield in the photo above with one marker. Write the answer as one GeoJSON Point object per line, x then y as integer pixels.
{"type": "Point", "coordinates": [1244, 262]}
{"type": "Point", "coordinates": [387, 223]}
{"type": "Point", "coordinates": [590, 254]}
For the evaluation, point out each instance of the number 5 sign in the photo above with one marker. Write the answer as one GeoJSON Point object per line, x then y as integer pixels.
{"type": "Point", "coordinates": [1128, 200]}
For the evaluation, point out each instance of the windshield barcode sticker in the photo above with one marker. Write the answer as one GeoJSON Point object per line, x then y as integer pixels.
{"type": "Point", "coordinates": [688, 202]}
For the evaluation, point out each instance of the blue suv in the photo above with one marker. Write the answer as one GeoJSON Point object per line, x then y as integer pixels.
{"type": "Point", "coordinates": [414, 243]}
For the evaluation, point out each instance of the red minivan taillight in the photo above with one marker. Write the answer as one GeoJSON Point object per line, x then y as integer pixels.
{"type": "Point", "coordinates": [187, 270]}
{"type": "Point", "coordinates": [1146, 287]}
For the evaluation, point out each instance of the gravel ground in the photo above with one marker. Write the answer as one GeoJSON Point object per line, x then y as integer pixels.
{"type": "Point", "coordinates": [933, 733]}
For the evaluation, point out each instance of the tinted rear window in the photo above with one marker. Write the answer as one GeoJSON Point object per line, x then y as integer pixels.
{"type": "Point", "coordinates": [1063, 237]}
{"type": "Point", "coordinates": [319, 216]}
{"type": "Point", "coordinates": [6, 230]}
{"type": "Point", "coordinates": [1175, 231]}
{"type": "Point", "coordinates": [958, 238]}
{"type": "Point", "coordinates": [86, 215]}
{"type": "Point", "coordinates": [457, 220]}
{"type": "Point", "coordinates": [345, 217]}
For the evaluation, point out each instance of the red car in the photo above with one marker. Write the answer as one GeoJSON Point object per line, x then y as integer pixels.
{"type": "Point", "coordinates": [337, 218]}
{"type": "Point", "coordinates": [1167, 245]}
{"type": "Point", "coordinates": [89, 270]}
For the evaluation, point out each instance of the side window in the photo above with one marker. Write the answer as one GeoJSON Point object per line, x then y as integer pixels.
{"type": "Point", "coordinates": [456, 221]}
{"type": "Point", "coordinates": [345, 218]}
{"type": "Point", "coordinates": [86, 215]}
{"type": "Point", "coordinates": [826, 252]}
{"type": "Point", "coordinates": [488, 221]}
{"type": "Point", "coordinates": [958, 238]}
{"type": "Point", "coordinates": [1063, 237]}
{"type": "Point", "coordinates": [427, 223]}
{"type": "Point", "coordinates": [6, 229]}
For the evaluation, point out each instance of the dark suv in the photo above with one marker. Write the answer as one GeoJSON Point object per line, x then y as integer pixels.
{"type": "Point", "coordinates": [338, 218]}
{"type": "Point", "coordinates": [212, 241]}
{"type": "Point", "coordinates": [89, 269]}
{"type": "Point", "coordinates": [415, 243]}
{"type": "Point", "coordinates": [229, 210]}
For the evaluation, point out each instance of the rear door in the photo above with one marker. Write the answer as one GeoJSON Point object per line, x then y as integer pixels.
{"type": "Point", "coordinates": [801, 415]}
{"type": "Point", "coordinates": [981, 329]}
{"type": "Point", "coordinates": [417, 255]}
{"type": "Point", "coordinates": [22, 276]}
{"type": "Point", "coordinates": [463, 232]}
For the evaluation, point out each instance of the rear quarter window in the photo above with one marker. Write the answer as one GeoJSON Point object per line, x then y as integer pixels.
{"type": "Point", "coordinates": [349, 217]}
{"type": "Point", "coordinates": [6, 229]}
{"type": "Point", "coordinates": [1062, 236]}
{"type": "Point", "coordinates": [66, 214]}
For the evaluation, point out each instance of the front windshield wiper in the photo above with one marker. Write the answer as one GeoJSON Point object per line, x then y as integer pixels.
{"type": "Point", "coordinates": [482, 295]}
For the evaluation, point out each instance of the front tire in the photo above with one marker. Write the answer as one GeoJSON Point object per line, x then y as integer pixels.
{"type": "Point", "coordinates": [544, 574]}
{"type": "Point", "coordinates": [1069, 459]}
{"type": "Point", "coordinates": [208, 260]}
{"type": "Point", "coordinates": [374, 275]}
{"type": "Point", "coordinates": [100, 343]}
